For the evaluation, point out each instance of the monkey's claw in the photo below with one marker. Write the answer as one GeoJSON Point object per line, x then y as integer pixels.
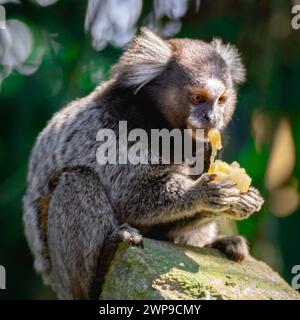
{"type": "Point", "coordinates": [129, 235]}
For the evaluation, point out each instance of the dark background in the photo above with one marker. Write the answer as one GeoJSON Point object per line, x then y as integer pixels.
{"type": "Point", "coordinates": [264, 134]}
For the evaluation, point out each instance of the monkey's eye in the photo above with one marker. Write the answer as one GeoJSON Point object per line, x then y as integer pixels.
{"type": "Point", "coordinates": [222, 99]}
{"type": "Point", "coordinates": [197, 98]}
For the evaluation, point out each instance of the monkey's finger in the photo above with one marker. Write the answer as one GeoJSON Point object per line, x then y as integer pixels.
{"type": "Point", "coordinates": [254, 191]}
{"type": "Point", "coordinates": [255, 195]}
{"type": "Point", "coordinates": [137, 242]}
{"type": "Point", "coordinates": [224, 192]}
{"type": "Point", "coordinates": [206, 178]}
{"type": "Point", "coordinates": [217, 207]}
{"type": "Point", "coordinates": [238, 213]}
{"type": "Point", "coordinates": [253, 199]}
{"type": "Point", "coordinates": [141, 244]}
{"type": "Point", "coordinates": [221, 185]}
{"type": "Point", "coordinates": [223, 200]}
{"type": "Point", "coordinates": [244, 206]}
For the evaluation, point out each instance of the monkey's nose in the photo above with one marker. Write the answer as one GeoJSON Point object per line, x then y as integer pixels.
{"type": "Point", "coordinates": [206, 117]}
{"type": "Point", "coordinates": [210, 119]}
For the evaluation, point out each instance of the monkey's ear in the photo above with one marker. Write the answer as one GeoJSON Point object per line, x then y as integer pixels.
{"type": "Point", "coordinates": [232, 57]}
{"type": "Point", "coordinates": [146, 58]}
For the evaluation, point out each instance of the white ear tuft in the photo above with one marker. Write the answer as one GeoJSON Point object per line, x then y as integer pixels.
{"type": "Point", "coordinates": [232, 57]}
{"type": "Point", "coordinates": [146, 58]}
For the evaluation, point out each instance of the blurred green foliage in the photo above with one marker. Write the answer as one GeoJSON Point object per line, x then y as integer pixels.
{"type": "Point", "coordinates": [270, 48]}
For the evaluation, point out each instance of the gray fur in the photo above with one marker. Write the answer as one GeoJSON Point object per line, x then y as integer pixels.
{"type": "Point", "coordinates": [145, 59]}
{"type": "Point", "coordinates": [231, 55]}
{"type": "Point", "coordinates": [75, 209]}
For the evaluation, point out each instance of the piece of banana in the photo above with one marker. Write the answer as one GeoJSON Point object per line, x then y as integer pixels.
{"type": "Point", "coordinates": [223, 170]}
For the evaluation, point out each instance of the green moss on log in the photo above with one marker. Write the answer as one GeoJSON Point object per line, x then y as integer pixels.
{"type": "Point", "coordinates": [167, 271]}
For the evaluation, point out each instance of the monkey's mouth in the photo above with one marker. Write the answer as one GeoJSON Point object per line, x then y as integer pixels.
{"type": "Point", "coordinates": [199, 126]}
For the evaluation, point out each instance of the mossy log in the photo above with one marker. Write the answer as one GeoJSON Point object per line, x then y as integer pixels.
{"type": "Point", "coordinates": [166, 271]}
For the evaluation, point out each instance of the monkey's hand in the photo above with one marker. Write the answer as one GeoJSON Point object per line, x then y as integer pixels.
{"type": "Point", "coordinates": [245, 204]}
{"type": "Point", "coordinates": [217, 196]}
{"type": "Point", "coordinates": [125, 233]}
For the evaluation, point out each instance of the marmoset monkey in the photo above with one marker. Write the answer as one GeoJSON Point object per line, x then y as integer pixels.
{"type": "Point", "coordinates": [76, 210]}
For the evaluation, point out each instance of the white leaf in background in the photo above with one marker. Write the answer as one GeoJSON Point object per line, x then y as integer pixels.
{"type": "Point", "coordinates": [16, 42]}
{"type": "Point", "coordinates": [16, 49]}
{"type": "Point", "coordinates": [31, 65]}
{"type": "Point", "coordinates": [171, 27]}
{"type": "Point", "coordinates": [108, 21]}
{"type": "Point", "coordinates": [173, 9]}
{"type": "Point", "coordinates": [112, 21]}
{"type": "Point", "coordinates": [123, 38]}
{"type": "Point", "coordinates": [10, 1]}
{"type": "Point", "coordinates": [45, 3]}
{"type": "Point", "coordinates": [4, 72]}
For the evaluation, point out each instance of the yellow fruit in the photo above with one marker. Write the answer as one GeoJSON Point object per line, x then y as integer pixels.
{"type": "Point", "coordinates": [230, 172]}
{"type": "Point", "coordinates": [223, 170]}
{"type": "Point", "coordinates": [214, 137]}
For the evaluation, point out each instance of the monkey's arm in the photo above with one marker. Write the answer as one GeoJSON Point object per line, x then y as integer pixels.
{"type": "Point", "coordinates": [161, 198]}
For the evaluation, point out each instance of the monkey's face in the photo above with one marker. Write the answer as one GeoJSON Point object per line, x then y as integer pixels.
{"type": "Point", "coordinates": [210, 105]}
{"type": "Point", "coordinates": [191, 82]}
{"type": "Point", "coordinates": [197, 89]}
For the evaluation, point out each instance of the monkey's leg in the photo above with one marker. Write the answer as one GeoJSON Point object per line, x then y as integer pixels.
{"type": "Point", "coordinates": [198, 230]}
{"type": "Point", "coordinates": [124, 233]}
{"type": "Point", "coordinates": [201, 230]}
{"type": "Point", "coordinates": [81, 225]}
{"type": "Point", "coordinates": [234, 247]}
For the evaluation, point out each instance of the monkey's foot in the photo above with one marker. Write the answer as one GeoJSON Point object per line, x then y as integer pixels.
{"type": "Point", "coordinates": [127, 234]}
{"type": "Point", "coordinates": [234, 247]}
